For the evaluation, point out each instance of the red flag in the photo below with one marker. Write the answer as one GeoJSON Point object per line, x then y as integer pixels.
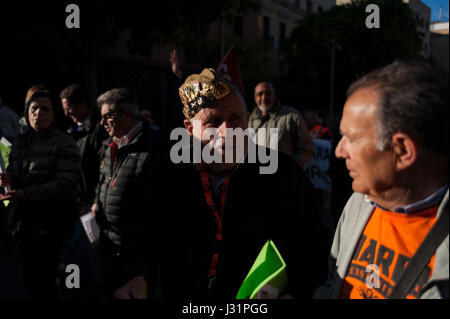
{"type": "Point", "coordinates": [229, 69]}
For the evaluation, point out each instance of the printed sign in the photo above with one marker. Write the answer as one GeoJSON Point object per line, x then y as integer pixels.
{"type": "Point", "coordinates": [317, 167]}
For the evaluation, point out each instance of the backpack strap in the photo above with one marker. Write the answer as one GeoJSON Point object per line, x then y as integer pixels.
{"type": "Point", "coordinates": [426, 250]}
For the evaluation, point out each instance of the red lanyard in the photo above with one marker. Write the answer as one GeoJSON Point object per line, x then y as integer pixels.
{"type": "Point", "coordinates": [217, 214]}
{"type": "Point", "coordinates": [209, 199]}
{"type": "Point", "coordinates": [113, 147]}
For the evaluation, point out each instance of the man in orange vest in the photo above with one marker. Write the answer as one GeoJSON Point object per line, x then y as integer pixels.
{"type": "Point", "coordinates": [393, 236]}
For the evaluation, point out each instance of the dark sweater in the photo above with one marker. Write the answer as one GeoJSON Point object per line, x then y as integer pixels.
{"type": "Point", "coordinates": [258, 207]}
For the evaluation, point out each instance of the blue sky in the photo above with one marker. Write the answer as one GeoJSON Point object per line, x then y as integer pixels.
{"type": "Point", "coordinates": [435, 5]}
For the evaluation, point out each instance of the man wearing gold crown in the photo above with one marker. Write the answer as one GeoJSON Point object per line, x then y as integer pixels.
{"type": "Point", "coordinates": [218, 215]}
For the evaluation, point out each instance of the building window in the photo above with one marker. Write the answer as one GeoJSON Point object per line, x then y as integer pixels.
{"type": "Point", "coordinates": [266, 28]}
{"type": "Point", "coordinates": [309, 6]}
{"type": "Point", "coordinates": [238, 26]}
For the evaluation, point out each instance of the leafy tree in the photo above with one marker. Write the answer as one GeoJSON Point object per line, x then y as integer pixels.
{"type": "Point", "coordinates": [361, 49]}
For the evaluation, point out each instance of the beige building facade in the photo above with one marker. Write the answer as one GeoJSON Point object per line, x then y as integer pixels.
{"type": "Point", "coordinates": [273, 22]}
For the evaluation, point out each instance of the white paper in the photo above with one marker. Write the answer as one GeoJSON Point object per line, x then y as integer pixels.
{"type": "Point", "coordinates": [90, 227]}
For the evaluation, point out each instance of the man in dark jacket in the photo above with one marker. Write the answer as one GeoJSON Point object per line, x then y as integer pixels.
{"type": "Point", "coordinates": [123, 196]}
{"type": "Point", "coordinates": [89, 135]}
{"type": "Point", "coordinates": [222, 214]}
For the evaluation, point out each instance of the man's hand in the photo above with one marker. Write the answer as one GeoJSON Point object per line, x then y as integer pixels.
{"type": "Point", "coordinates": [136, 288]}
{"type": "Point", "coordinates": [5, 179]}
{"type": "Point", "coordinates": [94, 209]}
{"type": "Point", "coordinates": [5, 197]}
{"type": "Point", "coordinates": [17, 194]}
{"type": "Point", "coordinates": [175, 64]}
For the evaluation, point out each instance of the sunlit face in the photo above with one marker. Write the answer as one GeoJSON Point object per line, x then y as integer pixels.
{"type": "Point", "coordinates": [264, 96]}
{"type": "Point", "coordinates": [40, 114]}
{"type": "Point", "coordinates": [372, 170]}
{"type": "Point", "coordinates": [112, 121]}
{"type": "Point", "coordinates": [229, 112]}
{"type": "Point", "coordinates": [76, 112]}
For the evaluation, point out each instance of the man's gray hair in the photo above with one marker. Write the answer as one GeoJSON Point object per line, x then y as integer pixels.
{"type": "Point", "coordinates": [413, 98]}
{"type": "Point", "coordinates": [120, 99]}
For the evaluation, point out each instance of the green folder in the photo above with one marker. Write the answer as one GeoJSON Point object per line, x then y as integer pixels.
{"type": "Point", "coordinates": [267, 278]}
{"type": "Point", "coordinates": [5, 149]}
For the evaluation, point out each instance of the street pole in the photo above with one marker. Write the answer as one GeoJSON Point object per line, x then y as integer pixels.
{"type": "Point", "coordinates": [333, 50]}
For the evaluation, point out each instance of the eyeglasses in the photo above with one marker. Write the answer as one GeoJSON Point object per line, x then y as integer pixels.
{"type": "Point", "coordinates": [261, 93]}
{"type": "Point", "coordinates": [108, 116]}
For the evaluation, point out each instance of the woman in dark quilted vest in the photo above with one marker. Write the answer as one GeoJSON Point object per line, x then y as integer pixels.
{"type": "Point", "coordinates": [44, 167]}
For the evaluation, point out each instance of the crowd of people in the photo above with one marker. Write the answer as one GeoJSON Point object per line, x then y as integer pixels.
{"type": "Point", "coordinates": [184, 230]}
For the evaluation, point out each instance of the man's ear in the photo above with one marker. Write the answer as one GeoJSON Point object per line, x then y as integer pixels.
{"type": "Point", "coordinates": [189, 127]}
{"type": "Point", "coordinates": [405, 150]}
{"type": "Point", "coordinates": [125, 113]}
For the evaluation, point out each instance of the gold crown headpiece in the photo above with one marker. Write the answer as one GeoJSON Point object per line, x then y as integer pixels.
{"type": "Point", "coordinates": [200, 90]}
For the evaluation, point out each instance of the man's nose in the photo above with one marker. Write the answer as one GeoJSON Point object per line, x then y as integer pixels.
{"type": "Point", "coordinates": [339, 151]}
{"type": "Point", "coordinates": [223, 129]}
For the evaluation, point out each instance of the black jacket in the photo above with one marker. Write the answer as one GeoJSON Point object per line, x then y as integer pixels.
{"type": "Point", "coordinates": [258, 207]}
{"type": "Point", "coordinates": [124, 194]}
{"type": "Point", "coordinates": [89, 139]}
{"type": "Point", "coordinates": [47, 167]}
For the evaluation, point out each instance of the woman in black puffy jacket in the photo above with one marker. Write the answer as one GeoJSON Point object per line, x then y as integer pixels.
{"type": "Point", "coordinates": [42, 175]}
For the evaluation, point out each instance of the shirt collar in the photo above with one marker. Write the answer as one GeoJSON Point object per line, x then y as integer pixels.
{"type": "Point", "coordinates": [423, 204]}
{"type": "Point", "coordinates": [217, 181]}
{"type": "Point", "coordinates": [271, 113]}
{"type": "Point", "coordinates": [83, 124]}
{"type": "Point", "coordinates": [124, 140]}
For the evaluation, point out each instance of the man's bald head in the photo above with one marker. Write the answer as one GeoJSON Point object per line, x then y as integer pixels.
{"type": "Point", "coordinates": [265, 97]}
